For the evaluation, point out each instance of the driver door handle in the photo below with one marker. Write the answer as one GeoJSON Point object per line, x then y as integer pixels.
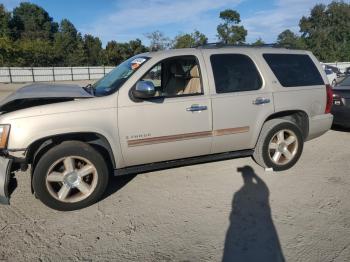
{"type": "Point", "coordinates": [195, 108]}
{"type": "Point", "coordinates": [261, 101]}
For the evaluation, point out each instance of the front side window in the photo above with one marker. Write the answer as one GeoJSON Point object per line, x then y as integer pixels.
{"type": "Point", "coordinates": [175, 76]}
{"type": "Point", "coordinates": [118, 76]}
{"type": "Point", "coordinates": [234, 73]}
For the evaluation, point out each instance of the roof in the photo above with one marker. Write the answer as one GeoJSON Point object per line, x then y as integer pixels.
{"type": "Point", "coordinates": [225, 49]}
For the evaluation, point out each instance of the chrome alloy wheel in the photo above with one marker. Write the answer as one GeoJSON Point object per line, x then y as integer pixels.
{"type": "Point", "coordinates": [71, 179]}
{"type": "Point", "coordinates": [283, 147]}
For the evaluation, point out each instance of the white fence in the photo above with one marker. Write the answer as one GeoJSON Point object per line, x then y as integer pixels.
{"type": "Point", "coordinates": [49, 74]}
{"type": "Point", "coordinates": [341, 65]}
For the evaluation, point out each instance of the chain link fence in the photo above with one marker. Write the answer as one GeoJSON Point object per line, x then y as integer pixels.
{"type": "Point", "coordinates": [51, 74]}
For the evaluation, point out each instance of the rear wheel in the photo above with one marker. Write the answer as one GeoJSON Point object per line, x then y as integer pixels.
{"type": "Point", "coordinates": [279, 146]}
{"type": "Point", "coordinates": [70, 176]}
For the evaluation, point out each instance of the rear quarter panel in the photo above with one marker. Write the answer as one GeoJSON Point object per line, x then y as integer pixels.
{"type": "Point", "coordinates": [310, 99]}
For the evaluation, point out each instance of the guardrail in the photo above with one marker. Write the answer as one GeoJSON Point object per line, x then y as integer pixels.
{"type": "Point", "coordinates": [49, 74]}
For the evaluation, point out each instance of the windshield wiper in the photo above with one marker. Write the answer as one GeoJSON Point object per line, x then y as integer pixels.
{"type": "Point", "coordinates": [90, 89]}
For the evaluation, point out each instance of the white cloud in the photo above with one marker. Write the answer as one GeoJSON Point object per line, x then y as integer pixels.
{"type": "Point", "coordinates": [285, 14]}
{"type": "Point", "coordinates": [134, 18]}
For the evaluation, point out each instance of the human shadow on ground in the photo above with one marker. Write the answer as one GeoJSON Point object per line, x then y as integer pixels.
{"type": "Point", "coordinates": [252, 235]}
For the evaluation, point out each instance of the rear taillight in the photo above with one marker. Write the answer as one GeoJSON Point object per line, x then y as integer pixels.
{"type": "Point", "coordinates": [329, 99]}
{"type": "Point", "coordinates": [337, 100]}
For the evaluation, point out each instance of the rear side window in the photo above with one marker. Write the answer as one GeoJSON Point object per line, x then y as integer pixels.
{"type": "Point", "coordinates": [294, 70]}
{"type": "Point", "coordinates": [234, 73]}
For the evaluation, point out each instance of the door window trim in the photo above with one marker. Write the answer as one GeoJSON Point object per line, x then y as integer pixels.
{"type": "Point", "coordinates": [162, 98]}
{"type": "Point", "coordinates": [240, 91]}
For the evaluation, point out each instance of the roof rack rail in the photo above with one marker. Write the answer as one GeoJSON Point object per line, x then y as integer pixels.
{"type": "Point", "coordinates": [223, 45]}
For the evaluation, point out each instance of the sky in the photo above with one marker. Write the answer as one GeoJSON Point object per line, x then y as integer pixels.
{"type": "Point", "coordinates": [127, 20]}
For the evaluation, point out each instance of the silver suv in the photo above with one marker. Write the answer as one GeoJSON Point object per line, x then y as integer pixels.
{"type": "Point", "coordinates": [159, 110]}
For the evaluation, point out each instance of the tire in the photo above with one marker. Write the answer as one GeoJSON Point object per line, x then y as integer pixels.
{"type": "Point", "coordinates": [70, 176]}
{"type": "Point", "coordinates": [271, 149]}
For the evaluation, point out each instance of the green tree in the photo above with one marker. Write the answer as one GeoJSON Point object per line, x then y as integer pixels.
{"type": "Point", "coordinates": [190, 40]}
{"type": "Point", "coordinates": [230, 32]}
{"type": "Point", "coordinates": [32, 22]}
{"type": "Point", "coordinates": [8, 52]}
{"type": "Point", "coordinates": [37, 52]}
{"type": "Point", "coordinates": [68, 45]}
{"type": "Point", "coordinates": [290, 40]}
{"type": "Point", "coordinates": [158, 41]}
{"type": "Point", "coordinates": [5, 18]}
{"type": "Point", "coordinates": [136, 47]}
{"type": "Point", "coordinates": [112, 54]}
{"type": "Point", "coordinates": [258, 42]}
{"type": "Point", "coordinates": [93, 49]}
{"type": "Point", "coordinates": [115, 52]}
{"type": "Point", "coordinates": [326, 31]}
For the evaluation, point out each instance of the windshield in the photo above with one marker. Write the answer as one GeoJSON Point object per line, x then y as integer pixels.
{"type": "Point", "coordinates": [118, 76]}
{"type": "Point", "coordinates": [345, 82]}
{"type": "Point", "coordinates": [329, 72]}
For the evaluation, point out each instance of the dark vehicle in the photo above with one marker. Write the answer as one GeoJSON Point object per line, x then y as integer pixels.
{"type": "Point", "coordinates": [341, 103]}
{"type": "Point", "coordinates": [334, 69]}
{"type": "Point", "coordinates": [347, 71]}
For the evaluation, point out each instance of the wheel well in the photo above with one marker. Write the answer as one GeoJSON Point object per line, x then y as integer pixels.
{"type": "Point", "coordinates": [37, 149]}
{"type": "Point", "coordinates": [300, 118]}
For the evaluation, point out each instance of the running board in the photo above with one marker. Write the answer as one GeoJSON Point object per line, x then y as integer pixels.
{"type": "Point", "coordinates": [181, 162]}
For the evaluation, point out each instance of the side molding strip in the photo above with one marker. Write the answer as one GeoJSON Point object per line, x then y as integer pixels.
{"type": "Point", "coordinates": [181, 137]}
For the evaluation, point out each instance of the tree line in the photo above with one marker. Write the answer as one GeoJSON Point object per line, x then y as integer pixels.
{"type": "Point", "coordinates": [30, 37]}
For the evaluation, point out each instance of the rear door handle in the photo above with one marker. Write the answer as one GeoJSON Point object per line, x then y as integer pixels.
{"type": "Point", "coordinates": [261, 101]}
{"type": "Point", "coordinates": [195, 108]}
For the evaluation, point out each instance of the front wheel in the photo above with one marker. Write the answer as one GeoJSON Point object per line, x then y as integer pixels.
{"type": "Point", "coordinates": [279, 146]}
{"type": "Point", "coordinates": [70, 176]}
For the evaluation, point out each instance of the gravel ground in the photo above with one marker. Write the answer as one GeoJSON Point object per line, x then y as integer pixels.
{"type": "Point", "coordinates": [197, 213]}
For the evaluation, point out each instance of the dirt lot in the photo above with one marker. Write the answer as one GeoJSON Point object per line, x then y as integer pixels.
{"type": "Point", "coordinates": [198, 213]}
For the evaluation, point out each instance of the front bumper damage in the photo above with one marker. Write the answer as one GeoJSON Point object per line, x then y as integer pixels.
{"type": "Point", "coordinates": [5, 178]}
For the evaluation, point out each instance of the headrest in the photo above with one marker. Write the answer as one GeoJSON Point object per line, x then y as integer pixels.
{"type": "Point", "coordinates": [176, 69]}
{"type": "Point", "coordinates": [194, 72]}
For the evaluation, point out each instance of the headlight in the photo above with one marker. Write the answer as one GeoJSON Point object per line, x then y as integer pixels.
{"type": "Point", "coordinates": [4, 135]}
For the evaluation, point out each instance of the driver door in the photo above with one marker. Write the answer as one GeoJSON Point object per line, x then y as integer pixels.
{"type": "Point", "coordinates": [174, 124]}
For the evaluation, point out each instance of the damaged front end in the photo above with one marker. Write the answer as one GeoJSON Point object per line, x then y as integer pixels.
{"type": "Point", "coordinates": [7, 182]}
{"type": "Point", "coordinates": [26, 97]}
{"type": "Point", "coordinates": [7, 165]}
{"type": "Point", "coordinates": [42, 94]}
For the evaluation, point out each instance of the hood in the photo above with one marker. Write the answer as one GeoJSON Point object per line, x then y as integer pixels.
{"type": "Point", "coordinates": [41, 94]}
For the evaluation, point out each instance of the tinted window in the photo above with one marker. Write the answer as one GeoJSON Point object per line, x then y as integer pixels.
{"type": "Point", "coordinates": [234, 73]}
{"type": "Point", "coordinates": [294, 70]}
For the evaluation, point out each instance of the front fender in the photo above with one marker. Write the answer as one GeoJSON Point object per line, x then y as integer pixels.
{"type": "Point", "coordinates": [26, 131]}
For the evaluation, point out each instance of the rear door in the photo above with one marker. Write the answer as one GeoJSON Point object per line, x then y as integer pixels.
{"type": "Point", "coordinates": [241, 100]}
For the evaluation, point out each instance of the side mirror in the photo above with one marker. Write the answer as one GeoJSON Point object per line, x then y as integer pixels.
{"type": "Point", "coordinates": [144, 90]}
